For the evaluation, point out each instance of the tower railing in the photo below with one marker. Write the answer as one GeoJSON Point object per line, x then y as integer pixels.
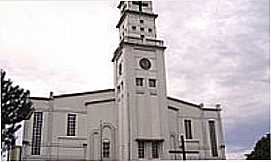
{"type": "Point", "coordinates": [145, 41]}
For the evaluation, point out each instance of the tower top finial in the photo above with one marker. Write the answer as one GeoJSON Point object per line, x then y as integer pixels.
{"type": "Point", "coordinates": [138, 6]}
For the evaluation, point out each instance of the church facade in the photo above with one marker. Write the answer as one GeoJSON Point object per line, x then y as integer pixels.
{"type": "Point", "coordinates": [135, 120]}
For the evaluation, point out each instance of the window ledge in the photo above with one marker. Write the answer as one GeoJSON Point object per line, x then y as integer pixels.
{"type": "Point", "coordinates": [72, 137]}
{"type": "Point", "coordinates": [142, 159]}
{"type": "Point", "coordinates": [192, 140]}
{"type": "Point", "coordinates": [140, 91]}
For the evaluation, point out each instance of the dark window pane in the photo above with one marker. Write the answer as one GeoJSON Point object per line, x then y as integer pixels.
{"type": "Point", "coordinates": [120, 68]}
{"type": "Point", "coordinates": [106, 149]}
{"type": "Point", "coordinates": [152, 83]}
{"type": "Point", "coordinates": [213, 138]}
{"type": "Point", "coordinates": [188, 129]}
{"type": "Point", "coordinates": [141, 150]}
{"type": "Point", "coordinates": [139, 81]}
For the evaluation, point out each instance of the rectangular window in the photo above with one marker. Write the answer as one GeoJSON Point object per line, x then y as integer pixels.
{"type": "Point", "coordinates": [139, 81]}
{"type": "Point", "coordinates": [141, 150]}
{"type": "Point", "coordinates": [213, 138]}
{"type": "Point", "coordinates": [118, 89]}
{"type": "Point", "coordinates": [121, 84]}
{"type": "Point", "coordinates": [141, 21]}
{"type": "Point", "coordinates": [188, 130]}
{"type": "Point", "coordinates": [120, 68]}
{"type": "Point", "coordinates": [152, 83]}
{"type": "Point", "coordinates": [142, 29]}
{"type": "Point", "coordinates": [36, 137]}
{"type": "Point", "coordinates": [106, 148]}
{"type": "Point", "coordinates": [150, 30]}
{"type": "Point", "coordinates": [71, 124]}
{"type": "Point", "coordinates": [134, 27]}
{"type": "Point", "coordinates": [155, 150]}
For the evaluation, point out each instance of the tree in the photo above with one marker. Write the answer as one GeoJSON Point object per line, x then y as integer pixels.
{"type": "Point", "coordinates": [15, 107]}
{"type": "Point", "coordinates": [262, 149]}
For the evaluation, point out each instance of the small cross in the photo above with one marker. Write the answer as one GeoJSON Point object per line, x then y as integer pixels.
{"type": "Point", "coordinates": [140, 5]}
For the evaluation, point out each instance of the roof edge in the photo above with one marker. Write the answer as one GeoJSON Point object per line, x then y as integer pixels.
{"type": "Point", "coordinates": [211, 109]}
{"type": "Point", "coordinates": [83, 93]}
{"type": "Point", "coordinates": [184, 102]}
{"type": "Point", "coordinates": [40, 98]}
{"type": "Point", "coordinates": [99, 101]}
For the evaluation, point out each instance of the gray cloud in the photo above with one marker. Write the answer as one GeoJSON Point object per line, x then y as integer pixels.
{"type": "Point", "coordinates": [219, 52]}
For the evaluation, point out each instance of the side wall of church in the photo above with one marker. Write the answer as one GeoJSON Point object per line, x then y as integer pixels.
{"type": "Point", "coordinates": [216, 117]}
{"type": "Point", "coordinates": [73, 147]}
{"type": "Point", "coordinates": [64, 147]}
{"type": "Point", "coordinates": [199, 144]}
{"type": "Point", "coordinates": [55, 142]}
{"type": "Point", "coordinates": [40, 106]}
{"type": "Point", "coordinates": [101, 128]}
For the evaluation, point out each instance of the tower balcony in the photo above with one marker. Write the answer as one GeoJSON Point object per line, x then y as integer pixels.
{"type": "Point", "coordinates": [143, 41]}
{"type": "Point", "coordinates": [138, 41]}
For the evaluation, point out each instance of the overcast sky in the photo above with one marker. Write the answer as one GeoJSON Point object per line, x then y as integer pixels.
{"type": "Point", "coordinates": [218, 52]}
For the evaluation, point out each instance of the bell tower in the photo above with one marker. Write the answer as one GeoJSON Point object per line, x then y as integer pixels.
{"type": "Point", "coordinates": [140, 85]}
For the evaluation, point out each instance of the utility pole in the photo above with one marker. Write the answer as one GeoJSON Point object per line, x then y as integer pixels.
{"type": "Point", "coordinates": [101, 141]}
{"type": "Point", "coordinates": [183, 147]}
{"type": "Point", "coordinates": [183, 150]}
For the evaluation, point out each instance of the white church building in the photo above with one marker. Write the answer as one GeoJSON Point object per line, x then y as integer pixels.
{"type": "Point", "coordinates": [135, 120]}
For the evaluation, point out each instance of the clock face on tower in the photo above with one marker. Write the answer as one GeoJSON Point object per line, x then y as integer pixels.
{"type": "Point", "coordinates": [145, 63]}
